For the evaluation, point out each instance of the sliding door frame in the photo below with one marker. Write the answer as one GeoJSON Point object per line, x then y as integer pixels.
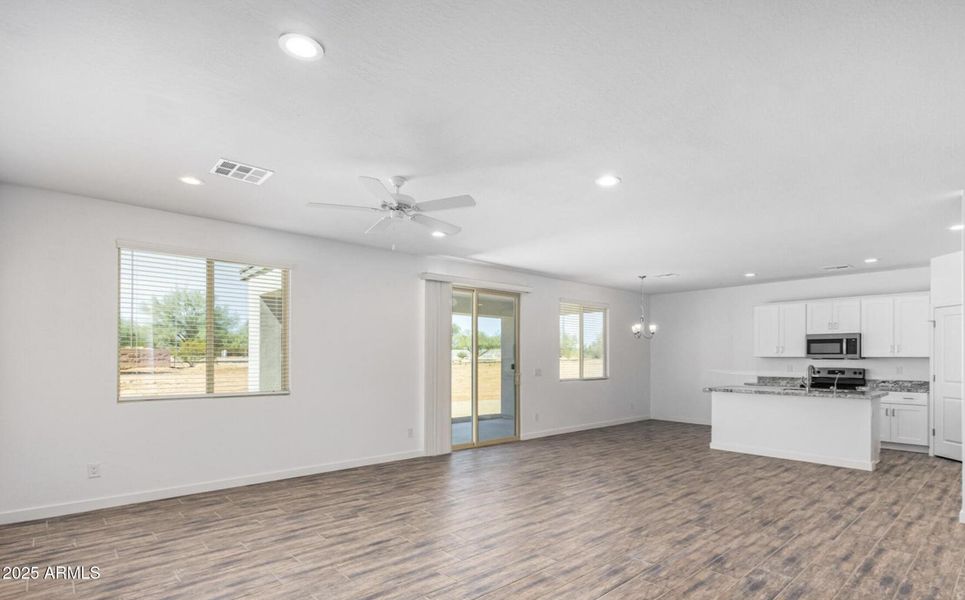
{"type": "Point", "coordinates": [474, 368]}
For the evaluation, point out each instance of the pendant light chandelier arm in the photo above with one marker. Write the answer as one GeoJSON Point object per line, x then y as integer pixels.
{"type": "Point", "coordinates": [643, 329]}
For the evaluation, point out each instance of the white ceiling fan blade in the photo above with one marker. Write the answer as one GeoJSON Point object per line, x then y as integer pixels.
{"type": "Point", "coordinates": [436, 224]}
{"type": "Point", "coordinates": [375, 187]}
{"type": "Point", "coordinates": [380, 225]}
{"type": "Point", "coordinates": [463, 201]}
{"type": "Point", "coordinates": [342, 206]}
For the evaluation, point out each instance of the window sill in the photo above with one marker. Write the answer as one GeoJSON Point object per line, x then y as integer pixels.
{"type": "Point", "coordinates": [585, 379]}
{"type": "Point", "coordinates": [202, 396]}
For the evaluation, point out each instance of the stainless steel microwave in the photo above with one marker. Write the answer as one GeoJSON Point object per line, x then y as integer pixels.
{"type": "Point", "coordinates": [834, 345]}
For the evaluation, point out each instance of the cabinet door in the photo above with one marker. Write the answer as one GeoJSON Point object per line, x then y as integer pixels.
{"type": "Point", "coordinates": [884, 422]}
{"type": "Point", "coordinates": [767, 330]}
{"type": "Point", "coordinates": [909, 424]}
{"type": "Point", "coordinates": [847, 315]}
{"type": "Point", "coordinates": [912, 327]}
{"type": "Point", "coordinates": [877, 326]}
{"type": "Point", "coordinates": [820, 315]}
{"type": "Point", "coordinates": [793, 330]}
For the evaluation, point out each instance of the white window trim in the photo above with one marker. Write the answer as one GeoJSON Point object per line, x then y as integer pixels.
{"type": "Point", "coordinates": [584, 304]}
{"type": "Point", "coordinates": [197, 253]}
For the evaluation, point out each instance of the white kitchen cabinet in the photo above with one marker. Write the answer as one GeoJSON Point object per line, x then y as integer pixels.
{"type": "Point", "coordinates": [833, 316]}
{"type": "Point", "coordinates": [903, 418]}
{"type": "Point", "coordinates": [895, 326]}
{"type": "Point", "coordinates": [912, 326]}
{"type": "Point", "coordinates": [779, 330]}
{"type": "Point", "coordinates": [877, 326]}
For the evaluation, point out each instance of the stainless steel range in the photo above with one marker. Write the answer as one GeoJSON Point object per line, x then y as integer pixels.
{"type": "Point", "coordinates": [827, 378]}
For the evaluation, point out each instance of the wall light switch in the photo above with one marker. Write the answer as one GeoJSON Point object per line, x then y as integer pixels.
{"type": "Point", "coordinates": [93, 470]}
{"type": "Point", "coordinates": [537, 372]}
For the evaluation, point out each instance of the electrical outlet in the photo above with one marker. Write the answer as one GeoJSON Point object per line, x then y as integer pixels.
{"type": "Point", "coordinates": [537, 372]}
{"type": "Point", "coordinates": [411, 432]}
{"type": "Point", "coordinates": [93, 470]}
{"type": "Point", "coordinates": [536, 417]}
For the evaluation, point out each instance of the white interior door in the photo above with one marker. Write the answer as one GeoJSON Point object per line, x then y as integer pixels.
{"type": "Point", "coordinates": [947, 389]}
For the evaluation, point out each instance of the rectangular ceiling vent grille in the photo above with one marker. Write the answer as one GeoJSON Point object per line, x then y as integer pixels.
{"type": "Point", "coordinates": [836, 268]}
{"type": "Point", "coordinates": [233, 169]}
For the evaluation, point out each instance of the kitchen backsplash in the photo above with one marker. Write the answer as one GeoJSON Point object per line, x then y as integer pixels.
{"type": "Point", "coordinates": [887, 385]}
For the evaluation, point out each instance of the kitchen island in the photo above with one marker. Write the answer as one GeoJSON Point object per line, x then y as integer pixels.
{"type": "Point", "coordinates": [820, 426]}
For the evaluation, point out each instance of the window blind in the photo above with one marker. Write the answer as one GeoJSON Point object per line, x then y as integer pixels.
{"type": "Point", "coordinates": [191, 326]}
{"type": "Point", "coordinates": [582, 341]}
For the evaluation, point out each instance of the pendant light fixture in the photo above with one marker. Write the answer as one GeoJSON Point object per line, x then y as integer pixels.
{"type": "Point", "coordinates": [643, 329]}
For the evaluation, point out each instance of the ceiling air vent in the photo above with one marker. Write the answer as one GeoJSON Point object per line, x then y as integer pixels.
{"type": "Point", "coordinates": [240, 171]}
{"type": "Point", "coordinates": [836, 268]}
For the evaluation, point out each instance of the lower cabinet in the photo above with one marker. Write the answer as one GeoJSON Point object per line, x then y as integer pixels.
{"type": "Point", "coordinates": [903, 419]}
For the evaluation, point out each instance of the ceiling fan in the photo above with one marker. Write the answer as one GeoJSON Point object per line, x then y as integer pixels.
{"type": "Point", "coordinates": [400, 207]}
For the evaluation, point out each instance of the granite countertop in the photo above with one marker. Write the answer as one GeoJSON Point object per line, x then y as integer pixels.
{"type": "Point", "coordinates": [786, 391]}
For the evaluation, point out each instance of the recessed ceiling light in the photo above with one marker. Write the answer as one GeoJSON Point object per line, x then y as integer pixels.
{"type": "Point", "coordinates": [958, 227]}
{"type": "Point", "coordinates": [607, 180]}
{"type": "Point", "coordinates": [438, 234]}
{"type": "Point", "coordinates": [300, 46]}
{"type": "Point", "coordinates": [871, 260]}
{"type": "Point", "coordinates": [188, 179]}
{"type": "Point", "coordinates": [750, 274]}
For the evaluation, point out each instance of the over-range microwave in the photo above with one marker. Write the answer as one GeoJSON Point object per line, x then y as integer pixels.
{"type": "Point", "coordinates": [834, 345]}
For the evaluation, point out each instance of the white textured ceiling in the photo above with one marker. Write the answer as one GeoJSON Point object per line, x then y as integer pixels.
{"type": "Point", "coordinates": [774, 137]}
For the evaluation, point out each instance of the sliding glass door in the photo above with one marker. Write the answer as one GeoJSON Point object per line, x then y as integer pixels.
{"type": "Point", "coordinates": [484, 367]}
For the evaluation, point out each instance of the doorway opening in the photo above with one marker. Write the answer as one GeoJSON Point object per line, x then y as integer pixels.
{"type": "Point", "coordinates": [485, 367]}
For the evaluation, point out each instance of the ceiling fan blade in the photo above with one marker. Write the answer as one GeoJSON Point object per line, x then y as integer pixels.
{"type": "Point", "coordinates": [342, 206]}
{"type": "Point", "coordinates": [436, 224]}
{"type": "Point", "coordinates": [375, 187]}
{"type": "Point", "coordinates": [380, 225]}
{"type": "Point", "coordinates": [463, 201]}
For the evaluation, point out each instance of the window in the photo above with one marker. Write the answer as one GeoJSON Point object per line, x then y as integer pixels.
{"type": "Point", "coordinates": [582, 341]}
{"type": "Point", "coordinates": [190, 327]}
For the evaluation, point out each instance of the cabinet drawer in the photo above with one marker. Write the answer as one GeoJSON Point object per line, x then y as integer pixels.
{"type": "Point", "coordinates": [914, 398]}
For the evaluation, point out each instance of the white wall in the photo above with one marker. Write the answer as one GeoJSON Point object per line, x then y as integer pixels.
{"type": "Point", "coordinates": [566, 405]}
{"type": "Point", "coordinates": [356, 361]}
{"type": "Point", "coordinates": [946, 279]}
{"type": "Point", "coordinates": [706, 338]}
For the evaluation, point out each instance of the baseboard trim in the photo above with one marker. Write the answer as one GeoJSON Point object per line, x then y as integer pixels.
{"type": "Point", "coordinates": [904, 447]}
{"type": "Point", "coordinates": [79, 506]}
{"type": "Point", "coordinates": [532, 435]}
{"type": "Point", "coordinates": [833, 461]}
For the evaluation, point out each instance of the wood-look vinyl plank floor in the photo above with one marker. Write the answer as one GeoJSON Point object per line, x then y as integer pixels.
{"type": "Point", "coordinates": [642, 511]}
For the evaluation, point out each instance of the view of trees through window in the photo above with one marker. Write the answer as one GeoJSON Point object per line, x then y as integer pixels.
{"type": "Point", "coordinates": [195, 326]}
{"type": "Point", "coordinates": [582, 341]}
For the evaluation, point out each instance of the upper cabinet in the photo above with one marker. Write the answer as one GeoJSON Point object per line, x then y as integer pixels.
{"type": "Point", "coordinates": [839, 315]}
{"type": "Point", "coordinates": [895, 326]}
{"type": "Point", "coordinates": [779, 330]}
{"type": "Point", "coordinates": [912, 326]}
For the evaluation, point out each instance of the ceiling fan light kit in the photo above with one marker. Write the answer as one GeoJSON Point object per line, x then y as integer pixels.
{"type": "Point", "coordinates": [400, 207]}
